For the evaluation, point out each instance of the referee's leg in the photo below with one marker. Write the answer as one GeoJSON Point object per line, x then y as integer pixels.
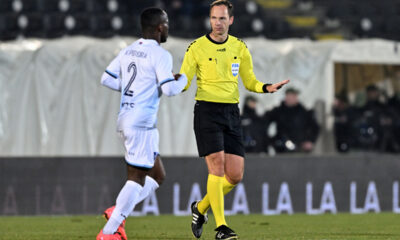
{"type": "Point", "coordinates": [208, 128]}
{"type": "Point", "coordinates": [234, 168]}
{"type": "Point", "coordinates": [215, 163]}
{"type": "Point", "coordinates": [233, 174]}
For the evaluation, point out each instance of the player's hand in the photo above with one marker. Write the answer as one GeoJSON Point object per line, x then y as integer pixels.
{"type": "Point", "coordinates": [275, 87]}
{"type": "Point", "coordinates": [177, 76]}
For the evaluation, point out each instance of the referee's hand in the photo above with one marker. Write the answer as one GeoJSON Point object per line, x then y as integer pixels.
{"type": "Point", "coordinates": [275, 87]}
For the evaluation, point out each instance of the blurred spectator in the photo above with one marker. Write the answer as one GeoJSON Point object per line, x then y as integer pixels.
{"type": "Point", "coordinates": [252, 126]}
{"type": "Point", "coordinates": [374, 124]}
{"type": "Point", "coordinates": [344, 116]}
{"type": "Point", "coordinates": [394, 102]}
{"type": "Point", "coordinates": [394, 106]}
{"type": "Point", "coordinates": [297, 129]}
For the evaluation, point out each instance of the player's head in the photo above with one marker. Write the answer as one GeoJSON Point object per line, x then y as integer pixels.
{"type": "Point", "coordinates": [154, 21]}
{"type": "Point", "coordinates": [221, 16]}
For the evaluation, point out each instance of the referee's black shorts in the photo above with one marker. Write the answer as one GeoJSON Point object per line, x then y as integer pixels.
{"type": "Point", "coordinates": [217, 128]}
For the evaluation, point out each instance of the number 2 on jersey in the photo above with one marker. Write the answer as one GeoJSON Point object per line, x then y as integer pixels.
{"type": "Point", "coordinates": [132, 67]}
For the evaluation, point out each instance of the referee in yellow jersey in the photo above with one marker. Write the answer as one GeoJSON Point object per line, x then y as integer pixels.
{"type": "Point", "coordinates": [217, 59]}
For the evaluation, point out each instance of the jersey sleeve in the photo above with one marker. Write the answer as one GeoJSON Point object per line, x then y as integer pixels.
{"type": "Point", "coordinates": [163, 67]}
{"type": "Point", "coordinates": [111, 76]}
{"type": "Point", "coordinates": [173, 87]}
{"type": "Point", "coordinates": [189, 66]}
{"type": "Point", "coordinates": [247, 74]}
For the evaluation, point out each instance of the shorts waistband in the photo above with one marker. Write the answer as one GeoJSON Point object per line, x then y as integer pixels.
{"type": "Point", "coordinates": [215, 104]}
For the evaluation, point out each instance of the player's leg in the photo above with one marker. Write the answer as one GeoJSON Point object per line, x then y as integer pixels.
{"type": "Point", "coordinates": [141, 150]}
{"type": "Point", "coordinates": [158, 171]}
{"type": "Point", "coordinates": [156, 175]}
{"type": "Point", "coordinates": [154, 179]}
{"type": "Point", "coordinates": [126, 199]}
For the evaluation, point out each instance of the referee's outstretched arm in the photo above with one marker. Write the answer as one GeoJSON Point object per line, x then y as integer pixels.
{"type": "Point", "coordinates": [276, 86]}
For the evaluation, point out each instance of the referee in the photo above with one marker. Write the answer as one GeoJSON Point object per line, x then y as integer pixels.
{"type": "Point", "coordinates": [217, 59]}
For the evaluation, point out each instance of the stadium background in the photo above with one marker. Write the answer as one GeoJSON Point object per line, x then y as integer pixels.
{"type": "Point", "coordinates": [57, 124]}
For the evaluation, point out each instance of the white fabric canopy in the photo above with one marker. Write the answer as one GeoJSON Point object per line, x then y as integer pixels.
{"type": "Point", "coordinates": [52, 103]}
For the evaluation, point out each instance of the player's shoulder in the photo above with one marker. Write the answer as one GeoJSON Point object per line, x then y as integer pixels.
{"type": "Point", "coordinates": [160, 49]}
{"type": "Point", "coordinates": [158, 52]}
{"type": "Point", "coordinates": [236, 40]}
{"type": "Point", "coordinates": [164, 52]}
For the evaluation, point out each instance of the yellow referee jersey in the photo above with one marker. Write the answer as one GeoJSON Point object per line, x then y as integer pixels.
{"type": "Point", "coordinates": [217, 67]}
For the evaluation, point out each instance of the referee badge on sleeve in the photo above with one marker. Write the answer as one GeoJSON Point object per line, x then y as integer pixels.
{"type": "Point", "coordinates": [235, 69]}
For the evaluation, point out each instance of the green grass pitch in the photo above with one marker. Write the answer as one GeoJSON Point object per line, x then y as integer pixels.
{"type": "Point", "coordinates": [297, 226]}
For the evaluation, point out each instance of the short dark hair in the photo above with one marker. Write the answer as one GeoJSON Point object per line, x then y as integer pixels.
{"type": "Point", "coordinates": [250, 98]}
{"type": "Point", "coordinates": [150, 18]}
{"type": "Point", "coordinates": [292, 90]}
{"type": "Point", "coordinates": [226, 3]}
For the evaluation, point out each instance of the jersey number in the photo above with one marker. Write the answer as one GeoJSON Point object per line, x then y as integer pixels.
{"type": "Point", "coordinates": [132, 67]}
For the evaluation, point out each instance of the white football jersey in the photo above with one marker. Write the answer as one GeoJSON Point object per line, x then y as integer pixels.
{"type": "Point", "coordinates": [141, 68]}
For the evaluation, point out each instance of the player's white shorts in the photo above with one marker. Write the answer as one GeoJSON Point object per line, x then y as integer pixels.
{"type": "Point", "coordinates": [141, 146]}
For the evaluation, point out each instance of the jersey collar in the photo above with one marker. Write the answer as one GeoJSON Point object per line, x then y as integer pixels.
{"type": "Point", "coordinates": [148, 41]}
{"type": "Point", "coordinates": [211, 40]}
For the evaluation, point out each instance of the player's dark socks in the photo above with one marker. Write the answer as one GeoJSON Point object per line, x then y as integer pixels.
{"type": "Point", "coordinates": [198, 220]}
{"type": "Point", "coordinates": [224, 232]}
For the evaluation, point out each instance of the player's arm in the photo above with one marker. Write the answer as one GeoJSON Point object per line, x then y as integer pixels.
{"type": "Point", "coordinates": [111, 77]}
{"type": "Point", "coordinates": [174, 86]}
{"type": "Point", "coordinates": [249, 78]}
{"type": "Point", "coordinates": [170, 85]}
{"type": "Point", "coordinates": [189, 66]}
{"type": "Point", "coordinates": [111, 81]}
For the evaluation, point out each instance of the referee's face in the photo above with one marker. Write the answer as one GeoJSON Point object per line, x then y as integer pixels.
{"type": "Point", "coordinates": [220, 20]}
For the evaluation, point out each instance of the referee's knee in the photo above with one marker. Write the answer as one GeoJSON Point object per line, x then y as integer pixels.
{"type": "Point", "coordinates": [234, 178]}
{"type": "Point", "coordinates": [216, 163]}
